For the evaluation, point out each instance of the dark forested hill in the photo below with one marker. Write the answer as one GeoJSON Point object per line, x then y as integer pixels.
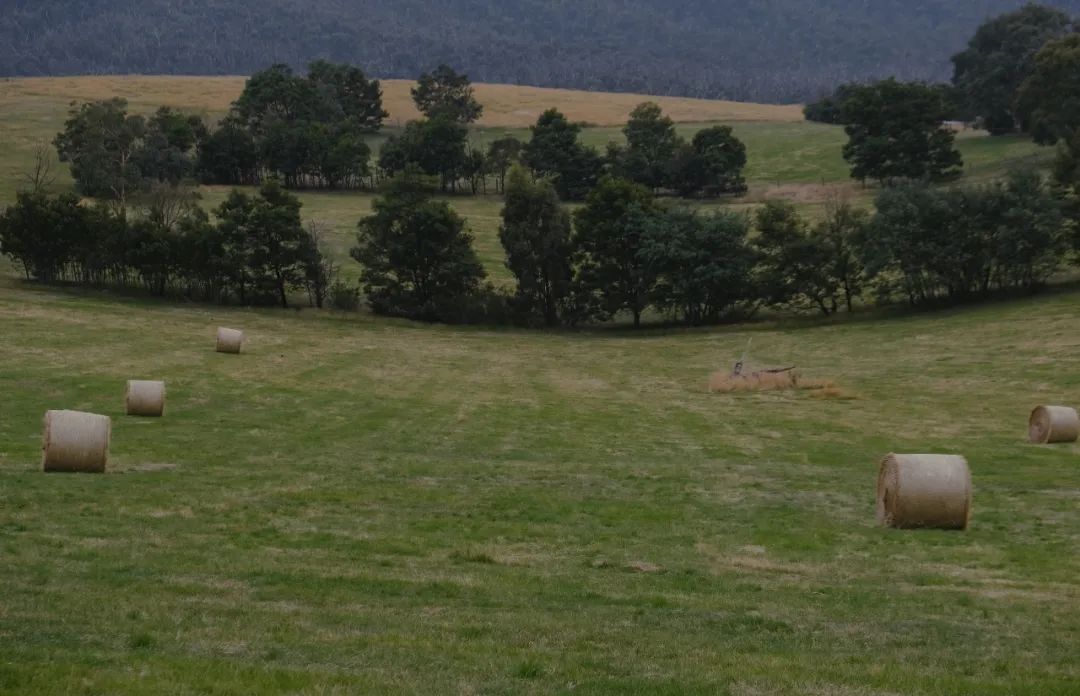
{"type": "Point", "coordinates": [764, 50]}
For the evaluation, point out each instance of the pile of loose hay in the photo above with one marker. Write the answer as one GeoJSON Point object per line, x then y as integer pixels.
{"type": "Point", "coordinates": [924, 491]}
{"type": "Point", "coordinates": [790, 380]}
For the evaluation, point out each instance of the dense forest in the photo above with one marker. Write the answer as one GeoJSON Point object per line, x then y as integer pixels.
{"type": "Point", "coordinates": [770, 50]}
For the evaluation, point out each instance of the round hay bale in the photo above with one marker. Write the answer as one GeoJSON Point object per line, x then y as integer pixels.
{"type": "Point", "coordinates": [144, 398]}
{"type": "Point", "coordinates": [74, 441]}
{"type": "Point", "coordinates": [1051, 424]}
{"type": "Point", "coordinates": [924, 491]}
{"type": "Point", "coordinates": [229, 340]}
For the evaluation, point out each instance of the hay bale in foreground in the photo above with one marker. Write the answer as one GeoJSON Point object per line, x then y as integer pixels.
{"type": "Point", "coordinates": [144, 398]}
{"type": "Point", "coordinates": [229, 340]}
{"type": "Point", "coordinates": [1051, 424]}
{"type": "Point", "coordinates": [924, 491]}
{"type": "Point", "coordinates": [74, 441]}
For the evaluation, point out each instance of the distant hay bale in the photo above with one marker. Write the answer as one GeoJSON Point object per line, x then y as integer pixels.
{"type": "Point", "coordinates": [1052, 424]}
{"type": "Point", "coordinates": [229, 340]}
{"type": "Point", "coordinates": [924, 491]}
{"type": "Point", "coordinates": [74, 441]}
{"type": "Point", "coordinates": [144, 398]}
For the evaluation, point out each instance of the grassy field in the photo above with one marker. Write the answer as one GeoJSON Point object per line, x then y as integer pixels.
{"type": "Point", "coordinates": [505, 106]}
{"type": "Point", "coordinates": [372, 506]}
{"type": "Point", "coordinates": [360, 505]}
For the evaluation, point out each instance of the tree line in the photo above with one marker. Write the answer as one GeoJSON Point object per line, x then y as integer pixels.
{"type": "Point", "coordinates": [623, 253]}
{"type": "Point", "coordinates": [257, 251]}
{"type": "Point", "coordinates": [312, 131]}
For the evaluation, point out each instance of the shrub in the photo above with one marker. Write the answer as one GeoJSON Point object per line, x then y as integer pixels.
{"type": "Point", "coordinates": [344, 296]}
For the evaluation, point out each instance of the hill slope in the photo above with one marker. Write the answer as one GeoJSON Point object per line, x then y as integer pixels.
{"type": "Point", "coordinates": [504, 105]}
{"type": "Point", "coordinates": [773, 50]}
{"type": "Point", "coordinates": [783, 149]}
{"type": "Point", "coordinates": [361, 506]}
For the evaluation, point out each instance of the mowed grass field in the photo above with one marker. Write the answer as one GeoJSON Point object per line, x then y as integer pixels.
{"type": "Point", "coordinates": [372, 506]}
{"type": "Point", "coordinates": [360, 505]}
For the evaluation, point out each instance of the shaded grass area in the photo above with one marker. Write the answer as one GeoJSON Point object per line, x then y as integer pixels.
{"type": "Point", "coordinates": [376, 506]}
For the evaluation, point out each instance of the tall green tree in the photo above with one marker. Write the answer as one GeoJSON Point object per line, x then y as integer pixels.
{"type": "Point", "coordinates": [320, 269]}
{"type": "Point", "coordinates": [830, 108]}
{"type": "Point", "coordinates": [794, 265]}
{"type": "Point", "coordinates": [277, 95]}
{"type": "Point", "coordinates": [438, 146]}
{"type": "Point", "coordinates": [895, 131]}
{"type": "Point", "coordinates": [1000, 57]}
{"type": "Point", "coordinates": [167, 153]}
{"type": "Point", "coordinates": [1028, 237]}
{"type": "Point", "coordinates": [554, 151]}
{"type": "Point", "coordinates": [344, 158]}
{"type": "Point", "coordinates": [704, 264]}
{"type": "Point", "coordinates": [229, 156]}
{"type": "Point", "coordinates": [348, 97]}
{"type": "Point", "coordinates": [536, 236]}
{"type": "Point", "coordinates": [101, 141]}
{"type": "Point", "coordinates": [308, 130]}
{"type": "Point", "coordinates": [651, 143]}
{"type": "Point", "coordinates": [475, 169]}
{"type": "Point", "coordinates": [840, 236]}
{"type": "Point", "coordinates": [928, 243]}
{"type": "Point", "coordinates": [445, 94]}
{"type": "Point", "coordinates": [501, 155]}
{"type": "Point", "coordinates": [236, 219]}
{"type": "Point", "coordinates": [1067, 179]}
{"type": "Point", "coordinates": [1049, 100]}
{"type": "Point", "coordinates": [609, 239]}
{"type": "Point", "coordinates": [279, 249]}
{"type": "Point", "coordinates": [711, 164]}
{"type": "Point", "coordinates": [264, 244]}
{"type": "Point", "coordinates": [416, 254]}
{"type": "Point", "coordinates": [37, 233]}
{"type": "Point", "coordinates": [290, 150]}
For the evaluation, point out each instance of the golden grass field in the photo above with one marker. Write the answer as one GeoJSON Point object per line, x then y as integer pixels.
{"type": "Point", "coordinates": [505, 106]}
{"type": "Point", "coordinates": [362, 505]}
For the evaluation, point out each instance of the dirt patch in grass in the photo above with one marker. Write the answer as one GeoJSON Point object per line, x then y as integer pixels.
{"type": "Point", "coordinates": [789, 381]}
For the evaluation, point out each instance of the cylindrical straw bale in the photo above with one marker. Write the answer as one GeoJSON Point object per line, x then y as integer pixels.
{"type": "Point", "coordinates": [75, 441]}
{"type": "Point", "coordinates": [1050, 424]}
{"type": "Point", "coordinates": [924, 491]}
{"type": "Point", "coordinates": [144, 398]}
{"type": "Point", "coordinates": [229, 340]}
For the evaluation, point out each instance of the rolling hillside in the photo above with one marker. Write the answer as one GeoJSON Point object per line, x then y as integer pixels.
{"type": "Point", "coordinates": [369, 506]}
{"type": "Point", "coordinates": [509, 106]}
{"type": "Point", "coordinates": [787, 156]}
